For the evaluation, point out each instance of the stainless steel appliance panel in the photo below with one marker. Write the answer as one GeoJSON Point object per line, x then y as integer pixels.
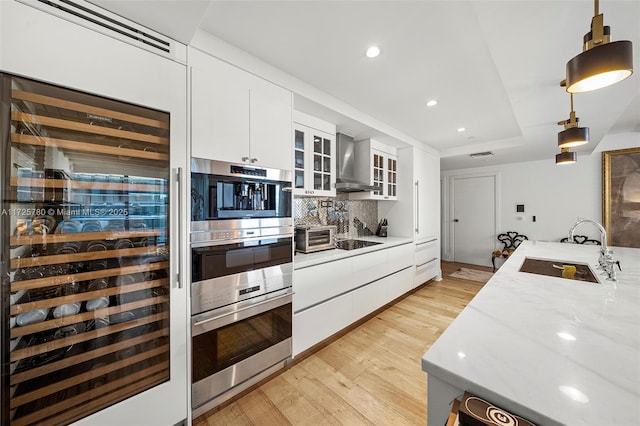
{"type": "Point", "coordinates": [204, 233]}
{"type": "Point", "coordinates": [229, 348]}
{"type": "Point", "coordinates": [221, 191]}
{"type": "Point", "coordinates": [231, 289]}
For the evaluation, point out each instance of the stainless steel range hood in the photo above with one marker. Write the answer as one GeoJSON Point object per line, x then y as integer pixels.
{"type": "Point", "coordinates": [346, 180]}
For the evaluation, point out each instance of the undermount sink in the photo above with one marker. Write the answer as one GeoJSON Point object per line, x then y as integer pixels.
{"type": "Point", "coordinates": [554, 268]}
{"type": "Point", "coordinates": [354, 244]}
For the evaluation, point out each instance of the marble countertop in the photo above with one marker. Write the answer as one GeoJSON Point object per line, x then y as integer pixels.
{"type": "Point", "coordinates": [552, 350]}
{"type": "Point", "coordinates": [301, 260]}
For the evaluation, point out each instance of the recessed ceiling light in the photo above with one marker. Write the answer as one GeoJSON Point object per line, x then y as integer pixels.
{"type": "Point", "coordinates": [373, 51]}
{"type": "Point", "coordinates": [432, 102]}
{"type": "Point", "coordinates": [461, 129]}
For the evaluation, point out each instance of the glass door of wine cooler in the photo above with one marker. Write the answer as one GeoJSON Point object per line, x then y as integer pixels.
{"type": "Point", "coordinates": [85, 251]}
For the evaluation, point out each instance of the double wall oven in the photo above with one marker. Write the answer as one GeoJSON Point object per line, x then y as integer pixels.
{"type": "Point", "coordinates": [241, 273]}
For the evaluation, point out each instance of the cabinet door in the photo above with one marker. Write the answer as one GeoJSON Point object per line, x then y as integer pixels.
{"type": "Point", "coordinates": [399, 283]}
{"type": "Point", "coordinates": [270, 125]}
{"type": "Point", "coordinates": [368, 298]}
{"type": "Point", "coordinates": [400, 257]}
{"type": "Point", "coordinates": [384, 173]}
{"type": "Point", "coordinates": [316, 324]}
{"type": "Point", "coordinates": [319, 283]}
{"type": "Point", "coordinates": [151, 81]}
{"type": "Point", "coordinates": [427, 187]}
{"type": "Point", "coordinates": [378, 172]}
{"type": "Point", "coordinates": [219, 109]}
{"type": "Point", "coordinates": [369, 267]}
{"type": "Point", "coordinates": [314, 162]}
{"type": "Point", "coordinates": [391, 175]}
{"type": "Point", "coordinates": [427, 257]}
{"type": "Point", "coordinates": [323, 163]}
{"type": "Point", "coordinates": [300, 159]}
{"type": "Point", "coordinates": [377, 164]}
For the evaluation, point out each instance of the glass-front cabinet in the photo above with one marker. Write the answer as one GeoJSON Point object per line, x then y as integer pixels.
{"type": "Point", "coordinates": [376, 164]}
{"type": "Point", "coordinates": [85, 295]}
{"type": "Point", "coordinates": [314, 161]}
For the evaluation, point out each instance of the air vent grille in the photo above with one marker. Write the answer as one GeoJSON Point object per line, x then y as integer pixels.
{"type": "Point", "coordinates": [91, 16]}
{"type": "Point", "coordinates": [481, 154]}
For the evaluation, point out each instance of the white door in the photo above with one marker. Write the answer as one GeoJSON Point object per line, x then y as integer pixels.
{"type": "Point", "coordinates": [474, 219]}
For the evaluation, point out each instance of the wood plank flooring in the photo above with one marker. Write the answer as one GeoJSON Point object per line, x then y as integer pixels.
{"type": "Point", "coordinates": [369, 375]}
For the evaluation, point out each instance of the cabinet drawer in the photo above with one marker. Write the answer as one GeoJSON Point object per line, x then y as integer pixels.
{"type": "Point", "coordinates": [317, 323]}
{"type": "Point", "coordinates": [400, 257]}
{"type": "Point", "coordinates": [369, 267]}
{"type": "Point", "coordinates": [426, 271]}
{"type": "Point", "coordinates": [321, 282]}
{"type": "Point", "coordinates": [399, 283]}
{"type": "Point", "coordinates": [368, 298]}
{"type": "Point", "coordinates": [426, 251]}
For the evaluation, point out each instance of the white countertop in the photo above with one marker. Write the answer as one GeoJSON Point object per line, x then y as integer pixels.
{"type": "Point", "coordinates": [505, 345]}
{"type": "Point", "coordinates": [301, 260]}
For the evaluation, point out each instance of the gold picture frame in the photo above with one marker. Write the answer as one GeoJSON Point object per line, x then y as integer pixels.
{"type": "Point", "coordinates": [621, 196]}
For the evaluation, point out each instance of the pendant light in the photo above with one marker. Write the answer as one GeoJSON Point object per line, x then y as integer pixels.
{"type": "Point", "coordinates": [566, 157]}
{"type": "Point", "coordinates": [572, 135]}
{"type": "Point", "coordinates": [602, 62]}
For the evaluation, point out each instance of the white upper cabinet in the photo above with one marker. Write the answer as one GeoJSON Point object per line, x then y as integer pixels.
{"type": "Point", "coordinates": [417, 212]}
{"type": "Point", "coordinates": [236, 116]}
{"type": "Point", "coordinates": [314, 148]}
{"type": "Point", "coordinates": [376, 164]}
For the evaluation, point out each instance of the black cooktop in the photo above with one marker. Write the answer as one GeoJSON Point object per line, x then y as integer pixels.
{"type": "Point", "coordinates": [354, 244]}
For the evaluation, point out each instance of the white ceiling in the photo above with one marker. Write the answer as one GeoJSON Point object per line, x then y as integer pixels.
{"type": "Point", "coordinates": [493, 66]}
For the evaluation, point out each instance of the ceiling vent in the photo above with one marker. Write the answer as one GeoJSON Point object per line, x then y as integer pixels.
{"type": "Point", "coordinates": [481, 154]}
{"type": "Point", "coordinates": [105, 22]}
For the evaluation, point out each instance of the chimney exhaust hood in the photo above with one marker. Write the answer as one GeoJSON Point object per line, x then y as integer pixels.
{"type": "Point", "coordinates": [346, 163]}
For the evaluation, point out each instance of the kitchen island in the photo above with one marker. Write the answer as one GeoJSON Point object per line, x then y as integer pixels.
{"type": "Point", "coordinates": [549, 349]}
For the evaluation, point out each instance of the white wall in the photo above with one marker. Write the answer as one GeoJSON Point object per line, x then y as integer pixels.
{"type": "Point", "coordinates": [556, 195]}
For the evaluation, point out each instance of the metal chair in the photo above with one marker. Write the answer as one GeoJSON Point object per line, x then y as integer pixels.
{"type": "Point", "coordinates": [511, 240]}
{"type": "Point", "coordinates": [581, 239]}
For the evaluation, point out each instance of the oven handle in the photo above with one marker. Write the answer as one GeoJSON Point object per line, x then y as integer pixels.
{"type": "Point", "coordinates": [248, 311]}
{"type": "Point", "coordinates": [221, 242]}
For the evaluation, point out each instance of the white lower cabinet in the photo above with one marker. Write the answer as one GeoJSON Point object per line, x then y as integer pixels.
{"type": "Point", "coordinates": [427, 260]}
{"type": "Point", "coordinates": [330, 296]}
{"type": "Point", "coordinates": [321, 282]}
{"type": "Point", "coordinates": [399, 283]}
{"type": "Point", "coordinates": [315, 324]}
{"type": "Point", "coordinates": [400, 257]}
{"type": "Point", "coordinates": [368, 298]}
{"type": "Point", "coordinates": [426, 271]}
{"type": "Point", "coordinates": [369, 267]}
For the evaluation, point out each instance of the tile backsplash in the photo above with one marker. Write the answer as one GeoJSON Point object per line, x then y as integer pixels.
{"type": "Point", "coordinates": [352, 217]}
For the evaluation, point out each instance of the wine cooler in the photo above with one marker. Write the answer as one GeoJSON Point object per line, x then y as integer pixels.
{"type": "Point", "coordinates": [85, 251]}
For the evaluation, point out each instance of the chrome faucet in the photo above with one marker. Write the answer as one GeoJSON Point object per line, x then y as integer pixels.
{"type": "Point", "coordinates": [606, 259]}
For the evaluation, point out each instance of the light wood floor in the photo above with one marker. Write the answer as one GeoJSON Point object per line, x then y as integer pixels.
{"type": "Point", "coordinates": [370, 375]}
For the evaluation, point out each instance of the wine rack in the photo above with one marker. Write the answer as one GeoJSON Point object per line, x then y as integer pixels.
{"type": "Point", "coordinates": [85, 231]}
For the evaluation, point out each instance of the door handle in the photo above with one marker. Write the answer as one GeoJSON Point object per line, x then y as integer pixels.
{"type": "Point", "coordinates": [456, 220]}
{"type": "Point", "coordinates": [180, 274]}
{"type": "Point", "coordinates": [417, 206]}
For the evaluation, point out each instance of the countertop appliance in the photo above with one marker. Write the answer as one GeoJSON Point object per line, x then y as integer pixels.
{"type": "Point", "coordinates": [311, 238]}
{"type": "Point", "coordinates": [241, 272]}
{"type": "Point", "coordinates": [346, 161]}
